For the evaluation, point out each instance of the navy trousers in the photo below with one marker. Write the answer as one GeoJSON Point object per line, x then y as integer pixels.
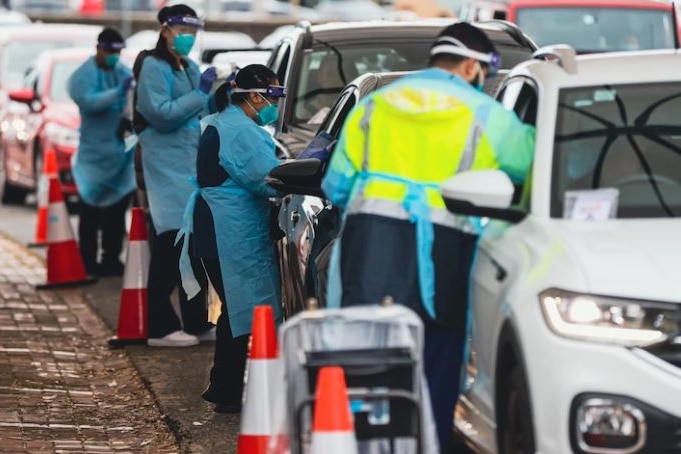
{"type": "Point", "coordinates": [442, 357]}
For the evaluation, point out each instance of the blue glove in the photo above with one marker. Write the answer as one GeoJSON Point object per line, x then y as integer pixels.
{"type": "Point", "coordinates": [207, 79]}
{"type": "Point", "coordinates": [126, 84]}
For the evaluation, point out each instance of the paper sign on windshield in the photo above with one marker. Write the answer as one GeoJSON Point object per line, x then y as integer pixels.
{"type": "Point", "coordinates": [591, 205]}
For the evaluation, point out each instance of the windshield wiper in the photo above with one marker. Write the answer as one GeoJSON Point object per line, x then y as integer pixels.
{"type": "Point", "coordinates": [639, 127]}
{"type": "Point", "coordinates": [639, 154]}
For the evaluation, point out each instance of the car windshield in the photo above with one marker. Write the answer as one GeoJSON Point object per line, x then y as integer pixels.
{"type": "Point", "coordinates": [60, 76]}
{"type": "Point", "coordinates": [17, 56]}
{"type": "Point", "coordinates": [626, 138]}
{"type": "Point", "coordinates": [327, 70]}
{"type": "Point", "coordinates": [599, 29]}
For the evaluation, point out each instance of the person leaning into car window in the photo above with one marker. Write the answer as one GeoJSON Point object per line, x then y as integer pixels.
{"type": "Point", "coordinates": [396, 149]}
{"type": "Point", "coordinates": [229, 215]}
{"type": "Point", "coordinates": [102, 169]}
{"type": "Point", "coordinates": [171, 97]}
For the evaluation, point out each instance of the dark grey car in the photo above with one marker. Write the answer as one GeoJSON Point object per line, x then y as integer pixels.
{"type": "Point", "coordinates": [316, 62]}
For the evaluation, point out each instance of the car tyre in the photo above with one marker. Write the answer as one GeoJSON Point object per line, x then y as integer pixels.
{"type": "Point", "coordinates": [9, 195]}
{"type": "Point", "coordinates": [516, 433]}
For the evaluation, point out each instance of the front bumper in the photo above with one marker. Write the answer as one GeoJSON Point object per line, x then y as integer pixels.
{"type": "Point", "coordinates": [659, 432]}
{"type": "Point", "coordinates": [561, 372]}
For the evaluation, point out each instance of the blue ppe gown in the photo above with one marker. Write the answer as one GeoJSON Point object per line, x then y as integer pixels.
{"type": "Point", "coordinates": [172, 104]}
{"type": "Point", "coordinates": [101, 168]}
{"type": "Point", "coordinates": [240, 214]}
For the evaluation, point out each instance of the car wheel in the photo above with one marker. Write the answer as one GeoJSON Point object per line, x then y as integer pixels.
{"type": "Point", "coordinates": [9, 195]}
{"type": "Point", "coordinates": [516, 428]}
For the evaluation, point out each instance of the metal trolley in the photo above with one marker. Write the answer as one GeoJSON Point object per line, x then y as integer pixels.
{"type": "Point", "coordinates": [379, 349]}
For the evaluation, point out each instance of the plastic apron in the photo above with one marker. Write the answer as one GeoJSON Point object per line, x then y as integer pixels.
{"type": "Point", "coordinates": [239, 297]}
{"type": "Point", "coordinates": [102, 167]}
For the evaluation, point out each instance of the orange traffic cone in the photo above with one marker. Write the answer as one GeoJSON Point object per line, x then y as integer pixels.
{"type": "Point", "coordinates": [263, 374]}
{"type": "Point", "coordinates": [64, 263]}
{"type": "Point", "coordinates": [332, 428]}
{"type": "Point", "coordinates": [50, 169]}
{"type": "Point", "coordinates": [132, 314]}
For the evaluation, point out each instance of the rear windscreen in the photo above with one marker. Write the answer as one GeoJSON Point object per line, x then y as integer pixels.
{"type": "Point", "coordinates": [598, 29]}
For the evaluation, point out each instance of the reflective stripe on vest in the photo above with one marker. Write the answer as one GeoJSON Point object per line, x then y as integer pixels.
{"type": "Point", "coordinates": [414, 207]}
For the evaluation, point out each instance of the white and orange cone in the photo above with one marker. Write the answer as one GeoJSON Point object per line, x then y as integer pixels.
{"type": "Point", "coordinates": [333, 431]}
{"type": "Point", "coordinates": [132, 313]}
{"type": "Point", "coordinates": [50, 169]}
{"type": "Point", "coordinates": [64, 263]}
{"type": "Point", "coordinates": [263, 375]}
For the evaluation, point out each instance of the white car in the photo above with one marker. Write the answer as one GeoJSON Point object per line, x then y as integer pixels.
{"type": "Point", "coordinates": [576, 292]}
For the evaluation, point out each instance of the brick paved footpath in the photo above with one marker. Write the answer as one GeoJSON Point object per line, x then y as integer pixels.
{"type": "Point", "coordinates": [61, 388]}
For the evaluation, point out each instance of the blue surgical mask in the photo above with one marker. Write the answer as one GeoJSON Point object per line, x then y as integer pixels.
{"type": "Point", "coordinates": [268, 114]}
{"type": "Point", "coordinates": [111, 60]}
{"type": "Point", "coordinates": [183, 43]}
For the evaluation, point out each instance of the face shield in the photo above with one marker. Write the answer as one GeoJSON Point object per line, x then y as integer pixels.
{"type": "Point", "coordinates": [452, 46]}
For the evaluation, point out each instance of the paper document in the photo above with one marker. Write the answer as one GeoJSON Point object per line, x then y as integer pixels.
{"type": "Point", "coordinates": [591, 205]}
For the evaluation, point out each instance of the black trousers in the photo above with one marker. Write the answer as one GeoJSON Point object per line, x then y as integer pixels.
{"type": "Point", "coordinates": [110, 220]}
{"type": "Point", "coordinates": [164, 276]}
{"type": "Point", "coordinates": [229, 360]}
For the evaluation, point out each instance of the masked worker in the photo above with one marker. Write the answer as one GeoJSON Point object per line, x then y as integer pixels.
{"type": "Point", "coordinates": [101, 167]}
{"type": "Point", "coordinates": [230, 215]}
{"type": "Point", "coordinates": [171, 96]}
{"type": "Point", "coordinates": [396, 149]}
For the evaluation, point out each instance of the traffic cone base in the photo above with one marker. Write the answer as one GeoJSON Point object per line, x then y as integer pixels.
{"type": "Point", "coordinates": [59, 276]}
{"type": "Point", "coordinates": [132, 330]}
{"type": "Point", "coordinates": [132, 313]}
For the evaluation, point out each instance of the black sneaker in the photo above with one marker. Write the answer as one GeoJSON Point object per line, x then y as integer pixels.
{"type": "Point", "coordinates": [111, 269]}
{"type": "Point", "coordinates": [227, 409]}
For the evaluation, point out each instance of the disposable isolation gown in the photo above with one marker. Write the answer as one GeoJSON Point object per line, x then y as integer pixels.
{"type": "Point", "coordinates": [102, 169]}
{"type": "Point", "coordinates": [240, 213]}
{"type": "Point", "coordinates": [171, 102]}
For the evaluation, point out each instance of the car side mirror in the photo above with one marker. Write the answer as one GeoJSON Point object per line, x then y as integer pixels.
{"type": "Point", "coordinates": [484, 193]}
{"type": "Point", "coordinates": [300, 176]}
{"type": "Point", "coordinates": [26, 96]}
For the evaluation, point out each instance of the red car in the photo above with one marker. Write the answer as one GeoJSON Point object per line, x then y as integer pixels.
{"type": "Point", "coordinates": [586, 25]}
{"type": "Point", "coordinates": [51, 117]}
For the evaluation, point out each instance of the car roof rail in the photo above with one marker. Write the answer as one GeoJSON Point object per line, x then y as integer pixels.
{"type": "Point", "coordinates": [564, 55]}
{"type": "Point", "coordinates": [306, 27]}
{"type": "Point", "coordinates": [513, 31]}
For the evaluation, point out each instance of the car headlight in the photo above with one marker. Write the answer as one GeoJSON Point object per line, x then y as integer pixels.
{"type": "Point", "coordinates": [61, 135]}
{"type": "Point", "coordinates": [608, 319]}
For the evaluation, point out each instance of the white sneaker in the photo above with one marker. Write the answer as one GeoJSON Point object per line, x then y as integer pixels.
{"type": "Point", "coordinates": [208, 336]}
{"type": "Point", "coordinates": [174, 339]}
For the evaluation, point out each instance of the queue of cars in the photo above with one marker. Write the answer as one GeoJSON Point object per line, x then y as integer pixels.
{"type": "Point", "coordinates": [311, 224]}
{"type": "Point", "coordinates": [576, 321]}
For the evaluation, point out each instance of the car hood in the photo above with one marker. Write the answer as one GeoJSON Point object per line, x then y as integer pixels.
{"type": "Point", "coordinates": [632, 258]}
{"type": "Point", "coordinates": [64, 113]}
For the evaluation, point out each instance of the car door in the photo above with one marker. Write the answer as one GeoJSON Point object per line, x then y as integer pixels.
{"type": "Point", "coordinates": [306, 236]}
{"type": "Point", "coordinates": [497, 265]}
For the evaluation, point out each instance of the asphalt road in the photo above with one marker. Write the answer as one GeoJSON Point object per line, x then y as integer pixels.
{"type": "Point", "coordinates": [175, 377]}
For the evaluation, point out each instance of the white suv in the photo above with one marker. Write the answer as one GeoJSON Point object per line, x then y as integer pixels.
{"type": "Point", "coordinates": [576, 292]}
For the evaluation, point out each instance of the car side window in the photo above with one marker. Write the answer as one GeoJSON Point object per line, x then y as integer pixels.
{"type": "Point", "coordinates": [337, 117]}
{"type": "Point", "coordinates": [519, 94]}
{"type": "Point", "coordinates": [280, 59]}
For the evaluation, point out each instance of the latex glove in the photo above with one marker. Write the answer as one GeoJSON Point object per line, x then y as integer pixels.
{"type": "Point", "coordinates": [207, 79]}
{"type": "Point", "coordinates": [126, 84]}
